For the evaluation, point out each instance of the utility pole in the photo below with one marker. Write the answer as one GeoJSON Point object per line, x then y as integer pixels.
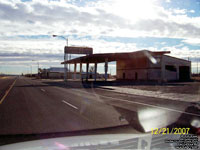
{"type": "Point", "coordinates": [31, 70]}
{"type": "Point", "coordinates": [38, 68]}
{"type": "Point", "coordinates": [65, 57]}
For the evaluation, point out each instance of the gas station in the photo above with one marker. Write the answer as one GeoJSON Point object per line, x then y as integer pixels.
{"type": "Point", "coordinates": [138, 65]}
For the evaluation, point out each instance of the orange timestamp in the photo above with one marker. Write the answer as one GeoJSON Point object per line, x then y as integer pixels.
{"type": "Point", "coordinates": [170, 130]}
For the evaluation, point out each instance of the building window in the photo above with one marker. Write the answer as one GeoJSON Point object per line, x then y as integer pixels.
{"type": "Point", "coordinates": [170, 68]}
{"type": "Point", "coordinates": [124, 75]}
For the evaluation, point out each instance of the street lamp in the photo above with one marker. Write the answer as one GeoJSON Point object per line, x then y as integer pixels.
{"type": "Point", "coordinates": [61, 37]}
{"type": "Point", "coordinates": [31, 70]}
{"type": "Point", "coordinates": [65, 66]}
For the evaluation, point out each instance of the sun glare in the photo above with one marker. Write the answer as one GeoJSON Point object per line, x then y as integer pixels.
{"type": "Point", "coordinates": [134, 9]}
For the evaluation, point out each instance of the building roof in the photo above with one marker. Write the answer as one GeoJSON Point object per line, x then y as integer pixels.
{"type": "Point", "coordinates": [100, 58]}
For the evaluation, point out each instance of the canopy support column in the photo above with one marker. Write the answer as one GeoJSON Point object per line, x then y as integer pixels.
{"type": "Point", "coordinates": [87, 69]}
{"type": "Point", "coordinates": [81, 71]}
{"type": "Point", "coordinates": [106, 69]}
{"type": "Point", "coordinates": [95, 71]}
{"type": "Point", "coordinates": [74, 71]}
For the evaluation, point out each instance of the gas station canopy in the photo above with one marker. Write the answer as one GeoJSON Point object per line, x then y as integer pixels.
{"type": "Point", "coordinates": [102, 57]}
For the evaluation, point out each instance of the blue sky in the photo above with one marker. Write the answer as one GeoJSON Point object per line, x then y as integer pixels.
{"type": "Point", "coordinates": [27, 27]}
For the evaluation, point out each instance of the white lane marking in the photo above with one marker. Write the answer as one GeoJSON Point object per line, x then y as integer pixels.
{"type": "Point", "coordinates": [169, 109]}
{"type": "Point", "coordinates": [150, 105]}
{"type": "Point", "coordinates": [43, 90]}
{"type": "Point", "coordinates": [140, 103]}
{"type": "Point", "coordinates": [69, 104]}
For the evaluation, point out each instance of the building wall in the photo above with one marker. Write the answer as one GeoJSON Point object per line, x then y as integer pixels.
{"type": "Point", "coordinates": [151, 68]}
{"type": "Point", "coordinates": [154, 74]}
{"type": "Point", "coordinates": [170, 74]}
{"type": "Point", "coordinates": [154, 68]}
{"type": "Point", "coordinates": [55, 75]}
{"type": "Point", "coordinates": [142, 68]}
{"type": "Point", "coordinates": [139, 63]}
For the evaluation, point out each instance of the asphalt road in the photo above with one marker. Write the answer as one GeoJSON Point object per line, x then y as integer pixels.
{"type": "Point", "coordinates": [30, 106]}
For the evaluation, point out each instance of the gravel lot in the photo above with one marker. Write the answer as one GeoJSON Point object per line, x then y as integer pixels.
{"type": "Point", "coordinates": [179, 87]}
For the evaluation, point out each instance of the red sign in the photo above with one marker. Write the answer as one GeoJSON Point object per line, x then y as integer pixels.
{"type": "Point", "coordinates": [78, 50]}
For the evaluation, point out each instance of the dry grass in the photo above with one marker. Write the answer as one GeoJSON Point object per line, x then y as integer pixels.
{"type": "Point", "coordinates": [196, 78]}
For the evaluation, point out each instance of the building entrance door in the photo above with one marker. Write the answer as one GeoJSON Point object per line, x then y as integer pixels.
{"type": "Point", "coordinates": [184, 73]}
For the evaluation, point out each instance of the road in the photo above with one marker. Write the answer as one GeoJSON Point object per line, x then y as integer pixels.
{"type": "Point", "coordinates": [33, 107]}
{"type": "Point", "coordinates": [30, 106]}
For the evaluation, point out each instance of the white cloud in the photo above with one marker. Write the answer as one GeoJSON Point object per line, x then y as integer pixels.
{"type": "Point", "coordinates": [183, 52]}
{"type": "Point", "coordinates": [111, 18]}
{"type": "Point", "coordinates": [179, 11]}
{"type": "Point", "coordinates": [192, 11]}
{"type": "Point", "coordinates": [192, 41]}
{"type": "Point", "coordinates": [115, 18]}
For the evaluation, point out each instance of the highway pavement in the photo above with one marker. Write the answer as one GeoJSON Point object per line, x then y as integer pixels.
{"type": "Point", "coordinates": [5, 83]}
{"type": "Point", "coordinates": [32, 106]}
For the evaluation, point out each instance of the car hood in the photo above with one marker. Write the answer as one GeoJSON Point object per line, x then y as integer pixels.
{"type": "Point", "coordinates": [111, 141]}
{"type": "Point", "coordinates": [104, 141]}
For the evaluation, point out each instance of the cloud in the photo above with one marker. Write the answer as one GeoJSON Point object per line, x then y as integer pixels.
{"type": "Point", "coordinates": [168, 1]}
{"type": "Point", "coordinates": [162, 28]}
{"type": "Point", "coordinates": [50, 52]}
{"type": "Point", "coordinates": [179, 11]}
{"type": "Point", "coordinates": [48, 17]}
{"type": "Point", "coordinates": [21, 21]}
{"type": "Point", "coordinates": [192, 41]}
{"type": "Point", "coordinates": [192, 11]}
{"type": "Point", "coordinates": [30, 17]}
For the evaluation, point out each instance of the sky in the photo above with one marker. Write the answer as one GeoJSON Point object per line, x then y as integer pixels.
{"type": "Point", "coordinates": [27, 26]}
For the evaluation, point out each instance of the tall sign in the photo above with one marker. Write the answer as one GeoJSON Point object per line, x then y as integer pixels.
{"type": "Point", "coordinates": [68, 50]}
{"type": "Point", "coordinates": [78, 50]}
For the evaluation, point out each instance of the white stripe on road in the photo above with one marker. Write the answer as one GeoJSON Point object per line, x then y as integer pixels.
{"type": "Point", "coordinates": [43, 90]}
{"type": "Point", "coordinates": [150, 105]}
{"type": "Point", "coordinates": [69, 104]}
{"type": "Point", "coordinates": [140, 103]}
